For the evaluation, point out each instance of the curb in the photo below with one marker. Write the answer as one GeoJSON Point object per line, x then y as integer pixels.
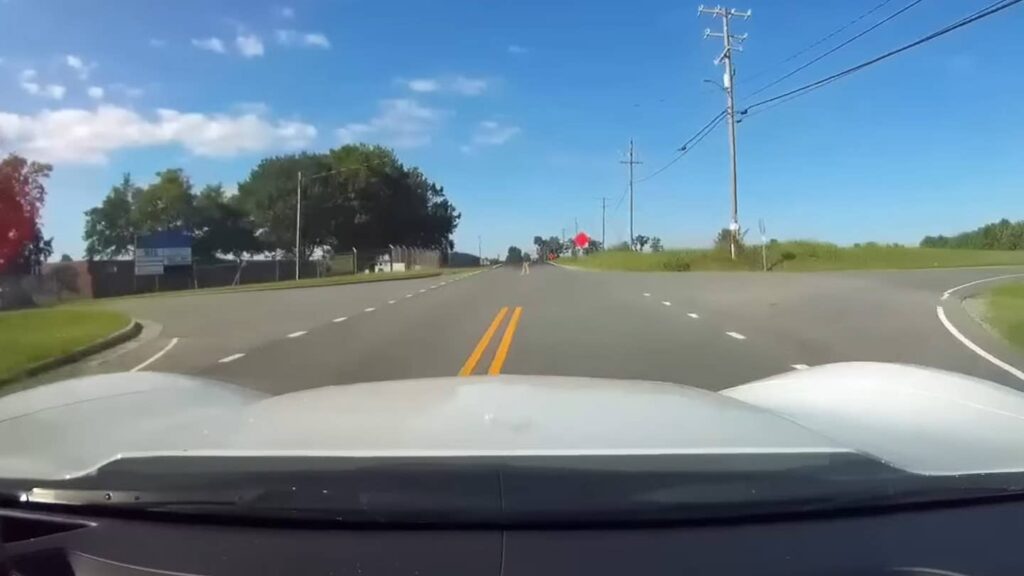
{"type": "Point", "coordinates": [123, 335]}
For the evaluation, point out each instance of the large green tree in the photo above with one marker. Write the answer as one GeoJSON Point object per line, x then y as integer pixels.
{"type": "Point", "coordinates": [166, 204]}
{"type": "Point", "coordinates": [222, 227]}
{"type": "Point", "coordinates": [110, 227]}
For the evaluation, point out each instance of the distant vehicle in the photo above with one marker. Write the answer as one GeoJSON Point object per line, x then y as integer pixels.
{"type": "Point", "coordinates": [802, 473]}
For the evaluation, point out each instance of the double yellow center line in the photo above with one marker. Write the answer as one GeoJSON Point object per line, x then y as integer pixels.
{"type": "Point", "coordinates": [485, 341]}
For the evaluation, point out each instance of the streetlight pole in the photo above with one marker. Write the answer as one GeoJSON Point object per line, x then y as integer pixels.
{"type": "Point", "coordinates": [298, 221]}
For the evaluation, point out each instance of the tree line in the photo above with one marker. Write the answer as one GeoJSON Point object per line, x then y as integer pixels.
{"type": "Point", "coordinates": [353, 196]}
{"type": "Point", "coordinates": [1001, 235]}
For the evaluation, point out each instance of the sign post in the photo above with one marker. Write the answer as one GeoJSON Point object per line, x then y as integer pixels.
{"type": "Point", "coordinates": [158, 250]}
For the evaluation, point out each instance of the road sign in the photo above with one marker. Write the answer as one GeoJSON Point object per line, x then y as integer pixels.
{"type": "Point", "coordinates": [149, 265]}
{"type": "Point", "coordinates": [582, 240]}
{"type": "Point", "coordinates": [164, 248]}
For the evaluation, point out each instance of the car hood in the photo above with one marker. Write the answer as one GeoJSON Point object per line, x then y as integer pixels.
{"type": "Point", "coordinates": [917, 419]}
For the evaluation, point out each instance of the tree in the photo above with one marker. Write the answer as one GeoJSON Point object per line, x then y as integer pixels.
{"type": "Point", "coordinates": [515, 255]}
{"type": "Point", "coordinates": [110, 227]}
{"type": "Point", "coordinates": [1002, 235]}
{"type": "Point", "coordinates": [23, 249]}
{"type": "Point", "coordinates": [594, 246]}
{"type": "Point", "coordinates": [221, 227]}
{"type": "Point", "coordinates": [66, 258]}
{"type": "Point", "coordinates": [640, 241]}
{"type": "Point", "coordinates": [166, 204]}
{"type": "Point", "coordinates": [656, 244]}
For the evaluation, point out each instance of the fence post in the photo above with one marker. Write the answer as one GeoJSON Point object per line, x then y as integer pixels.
{"type": "Point", "coordinates": [355, 260]}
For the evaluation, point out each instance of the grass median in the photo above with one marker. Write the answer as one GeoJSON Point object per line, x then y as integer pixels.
{"type": "Point", "coordinates": [1004, 312]}
{"type": "Point", "coordinates": [799, 257]}
{"type": "Point", "coordinates": [283, 285]}
{"type": "Point", "coordinates": [28, 337]}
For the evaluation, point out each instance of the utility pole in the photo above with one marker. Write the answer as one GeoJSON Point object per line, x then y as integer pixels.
{"type": "Point", "coordinates": [604, 201]}
{"type": "Point", "coordinates": [480, 249]}
{"type": "Point", "coordinates": [632, 162]}
{"type": "Point", "coordinates": [726, 14]}
{"type": "Point", "coordinates": [298, 220]}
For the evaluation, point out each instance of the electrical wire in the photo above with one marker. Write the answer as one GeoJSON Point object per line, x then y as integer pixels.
{"type": "Point", "coordinates": [688, 145]}
{"type": "Point", "coordinates": [818, 42]}
{"type": "Point", "coordinates": [985, 12]}
{"type": "Point", "coordinates": [836, 48]}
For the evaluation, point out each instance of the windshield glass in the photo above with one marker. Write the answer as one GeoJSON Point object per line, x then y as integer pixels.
{"type": "Point", "coordinates": [460, 230]}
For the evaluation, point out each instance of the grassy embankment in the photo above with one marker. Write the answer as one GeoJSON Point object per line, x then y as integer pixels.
{"type": "Point", "coordinates": [799, 256]}
{"type": "Point", "coordinates": [1004, 312]}
{"type": "Point", "coordinates": [28, 337]}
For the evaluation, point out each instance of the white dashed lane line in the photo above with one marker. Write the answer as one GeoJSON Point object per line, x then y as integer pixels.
{"type": "Point", "coordinates": [297, 334]}
{"type": "Point", "coordinates": [422, 290]}
{"type": "Point", "coordinates": [693, 315]}
{"type": "Point", "coordinates": [800, 366]}
{"type": "Point", "coordinates": [408, 295]}
{"type": "Point", "coordinates": [666, 303]}
{"type": "Point", "coordinates": [342, 319]}
{"type": "Point", "coordinates": [391, 301]}
{"type": "Point", "coordinates": [369, 310]}
{"type": "Point", "coordinates": [648, 294]}
{"type": "Point", "coordinates": [231, 358]}
{"type": "Point", "coordinates": [737, 335]}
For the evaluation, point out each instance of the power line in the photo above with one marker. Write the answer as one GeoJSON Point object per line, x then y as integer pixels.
{"type": "Point", "coordinates": [989, 10]}
{"type": "Point", "coordinates": [690, 145]}
{"type": "Point", "coordinates": [819, 42]}
{"type": "Point", "coordinates": [837, 47]}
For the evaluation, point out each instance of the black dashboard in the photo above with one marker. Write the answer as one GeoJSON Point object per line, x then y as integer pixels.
{"type": "Point", "coordinates": [976, 539]}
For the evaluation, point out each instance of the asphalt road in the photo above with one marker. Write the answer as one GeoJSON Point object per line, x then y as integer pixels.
{"type": "Point", "coordinates": [710, 330]}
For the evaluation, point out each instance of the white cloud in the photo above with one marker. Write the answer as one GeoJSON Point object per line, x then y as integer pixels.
{"type": "Point", "coordinates": [76, 136]}
{"type": "Point", "coordinates": [316, 40]}
{"type": "Point", "coordinates": [249, 45]}
{"type": "Point", "coordinates": [79, 66]}
{"type": "Point", "coordinates": [469, 86]}
{"type": "Point", "coordinates": [289, 37]}
{"type": "Point", "coordinates": [29, 81]}
{"type": "Point", "coordinates": [516, 49]}
{"type": "Point", "coordinates": [457, 85]}
{"type": "Point", "coordinates": [402, 123]}
{"type": "Point", "coordinates": [287, 12]}
{"type": "Point", "coordinates": [424, 85]}
{"type": "Point", "coordinates": [126, 90]}
{"type": "Point", "coordinates": [96, 92]}
{"type": "Point", "coordinates": [490, 133]}
{"type": "Point", "coordinates": [211, 44]}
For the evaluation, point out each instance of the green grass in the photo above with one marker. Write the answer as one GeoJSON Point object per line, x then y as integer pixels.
{"type": "Point", "coordinates": [1005, 312]}
{"type": "Point", "coordinates": [806, 256]}
{"type": "Point", "coordinates": [284, 285]}
{"type": "Point", "coordinates": [28, 337]}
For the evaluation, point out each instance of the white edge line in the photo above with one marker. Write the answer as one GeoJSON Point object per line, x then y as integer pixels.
{"type": "Point", "coordinates": [977, 349]}
{"type": "Point", "coordinates": [297, 334]}
{"type": "Point", "coordinates": [800, 366]}
{"type": "Point", "coordinates": [951, 290]}
{"type": "Point", "coordinates": [342, 319]}
{"type": "Point", "coordinates": [156, 356]}
{"type": "Point", "coordinates": [737, 335]}
{"type": "Point", "coordinates": [231, 358]}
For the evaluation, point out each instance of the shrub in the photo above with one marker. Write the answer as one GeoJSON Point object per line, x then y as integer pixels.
{"type": "Point", "coordinates": [676, 263]}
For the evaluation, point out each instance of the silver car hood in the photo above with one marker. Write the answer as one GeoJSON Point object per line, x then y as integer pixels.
{"type": "Point", "coordinates": [921, 420]}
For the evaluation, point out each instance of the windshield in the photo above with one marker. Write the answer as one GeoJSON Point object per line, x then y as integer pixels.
{"type": "Point", "coordinates": [402, 230]}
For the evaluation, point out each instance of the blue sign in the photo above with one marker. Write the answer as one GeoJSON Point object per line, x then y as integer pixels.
{"type": "Point", "coordinates": [165, 248]}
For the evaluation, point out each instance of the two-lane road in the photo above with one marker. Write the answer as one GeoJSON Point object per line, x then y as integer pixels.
{"type": "Point", "coordinates": [710, 330]}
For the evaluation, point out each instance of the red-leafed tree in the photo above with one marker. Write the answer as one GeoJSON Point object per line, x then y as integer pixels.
{"type": "Point", "coordinates": [22, 196]}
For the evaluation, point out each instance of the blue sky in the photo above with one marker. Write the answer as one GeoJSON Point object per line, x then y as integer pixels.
{"type": "Point", "coordinates": [522, 110]}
